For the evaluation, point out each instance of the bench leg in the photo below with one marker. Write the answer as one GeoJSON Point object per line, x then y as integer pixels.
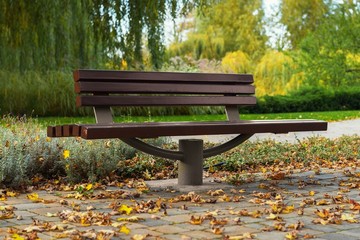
{"type": "Point", "coordinates": [191, 166]}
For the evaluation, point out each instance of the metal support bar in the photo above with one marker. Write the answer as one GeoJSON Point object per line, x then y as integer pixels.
{"type": "Point", "coordinates": [103, 115]}
{"type": "Point", "coordinates": [226, 146]}
{"type": "Point", "coordinates": [191, 166]}
{"type": "Point", "coordinates": [155, 151]}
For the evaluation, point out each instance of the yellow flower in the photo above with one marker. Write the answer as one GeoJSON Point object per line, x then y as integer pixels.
{"type": "Point", "coordinates": [66, 154]}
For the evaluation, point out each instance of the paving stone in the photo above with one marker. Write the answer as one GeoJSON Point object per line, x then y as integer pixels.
{"type": "Point", "coordinates": [275, 235]}
{"type": "Point", "coordinates": [28, 206]}
{"type": "Point", "coordinates": [184, 218]}
{"type": "Point", "coordinates": [201, 235]}
{"type": "Point", "coordinates": [352, 232]}
{"type": "Point", "coordinates": [168, 229]}
{"type": "Point", "coordinates": [338, 236]}
{"type": "Point", "coordinates": [239, 230]}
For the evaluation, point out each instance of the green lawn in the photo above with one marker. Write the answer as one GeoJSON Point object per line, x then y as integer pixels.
{"type": "Point", "coordinates": [327, 116]}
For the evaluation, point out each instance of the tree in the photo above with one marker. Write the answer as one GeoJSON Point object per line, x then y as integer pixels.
{"type": "Point", "coordinates": [275, 74]}
{"type": "Point", "coordinates": [46, 35]}
{"type": "Point", "coordinates": [330, 56]}
{"type": "Point", "coordinates": [227, 26]}
{"type": "Point", "coordinates": [302, 17]}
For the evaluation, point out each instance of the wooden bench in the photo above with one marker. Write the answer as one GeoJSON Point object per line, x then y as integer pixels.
{"type": "Point", "coordinates": [105, 89]}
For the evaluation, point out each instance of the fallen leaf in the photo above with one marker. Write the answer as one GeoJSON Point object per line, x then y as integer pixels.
{"type": "Point", "coordinates": [124, 209]}
{"type": "Point", "coordinates": [217, 230]}
{"type": "Point", "coordinates": [198, 220]}
{"type": "Point", "coordinates": [139, 236]}
{"type": "Point", "coordinates": [131, 219]}
{"type": "Point", "coordinates": [124, 229]}
{"type": "Point", "coordinates": [349, 218]}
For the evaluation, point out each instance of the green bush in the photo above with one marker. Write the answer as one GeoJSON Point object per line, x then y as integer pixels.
{"type": "Point", "coordinates": [309, 100]}
{"type": "Point", "coordinates": [26, 152]}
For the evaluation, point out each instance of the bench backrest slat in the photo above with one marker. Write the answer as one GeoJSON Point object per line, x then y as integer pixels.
{"type": "Point", "coordinates": [164, 100]}
{"type": "Point", "coordinates": [153, 88]}
{"type": "Point", "coordinates": [126, 88]}
{"type": "Point", "coordinates": [116, 76]}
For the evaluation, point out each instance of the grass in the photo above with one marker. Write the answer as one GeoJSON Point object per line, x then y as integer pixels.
{"type": "Point", "coordinates": [329, 116]}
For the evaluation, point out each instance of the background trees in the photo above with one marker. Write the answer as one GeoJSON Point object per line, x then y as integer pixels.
{"type": "Point", "coordinates": [41, 41]}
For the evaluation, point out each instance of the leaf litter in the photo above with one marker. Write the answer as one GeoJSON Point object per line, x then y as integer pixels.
{"type": "Point", "coordinates": [271, 202]}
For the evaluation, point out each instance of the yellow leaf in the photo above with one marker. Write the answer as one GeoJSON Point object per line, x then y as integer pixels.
{"type": "Point", "coordinates": [33, 197]}
{"type": "Point", "coordinates": [131, 219]}
{"type": "Point", "coordinates": [322, 202]}
{"type": "Point", "coordinates": [66, 154]}
{"type": "Point", "coordinates": [124, 229]}
{"type": "Point", "coordinates": [274, 217]}
{"type": "Point", "coordinates": [11, 194]}
{"type": "Point", "coordinates": [291, 235]}
{"type": "Point", "coordinates": [17, 237]}
{"type": "Point", "coordinates": [89, 187]}
{"type": "Point", "coordinates": [288, 209]}
{"type": "Point", "coordinates": [349, 218]}
{"type": "Point", "coordinates": [124, 209]}
{"type": "Point", "coordinates": [139, 236]}
{"type": "Point", "coordinates": [311, 193]}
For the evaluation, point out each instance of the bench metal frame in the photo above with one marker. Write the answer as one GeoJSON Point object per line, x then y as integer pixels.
{"type": "Point", "coordinates": [229, 90]}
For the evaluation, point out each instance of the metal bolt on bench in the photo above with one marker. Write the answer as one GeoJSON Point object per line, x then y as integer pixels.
{"type": "Point", "coordinates": [102, 90]}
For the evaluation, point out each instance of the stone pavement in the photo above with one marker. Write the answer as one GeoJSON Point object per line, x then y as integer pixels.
{"type": "Point", "coordinates": [299, 206]}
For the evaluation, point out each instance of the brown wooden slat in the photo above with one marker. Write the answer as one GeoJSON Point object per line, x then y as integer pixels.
{"type": "Point", "coordinates": [76, 131]}
{"type": "Point", "coordinates": [151, 130]}
{"type": "Point", "coordinates": [108, 75]}
{"type": "Point", "coordinates": [50, 131]}
{"type": "Point", "coordinates": [185, 88]}
{"type": "Point", "coordinates": [58, 131]}
{"type": "Point", "coordinates": [164, 100]}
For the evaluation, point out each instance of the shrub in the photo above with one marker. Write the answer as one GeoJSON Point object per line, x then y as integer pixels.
{"type": "Point", "coordinates": [309, 99]}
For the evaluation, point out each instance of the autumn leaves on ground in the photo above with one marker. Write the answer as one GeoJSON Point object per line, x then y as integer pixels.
{"type": "Point", "coordinates": [296, 200]}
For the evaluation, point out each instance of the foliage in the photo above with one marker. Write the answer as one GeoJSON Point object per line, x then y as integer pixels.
{"type": "Point", "coordinates": [310, 99]}
{"type": "Point", "coordinates": [263, 153]}
{"type": "Point", "coordinates": [302, 17]}
{"type": "Point", "coordinates": [56, 35]}
{"type": "Point", "coordinates": [236, 62]}
{"type": "Point", "coordinates": [34, 93]}
{"type": "Point", "coordinates": [275, 74]}
{"type": "Point", "coordinates": [330, 55]}
{"type": "Point", "coordinates": [226, 26]}
{"type": "Point", "coordinates": [26, 152]}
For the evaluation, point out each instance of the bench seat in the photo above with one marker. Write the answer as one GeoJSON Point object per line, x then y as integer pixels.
{"type": "Point", "coordinates": [156, 129]}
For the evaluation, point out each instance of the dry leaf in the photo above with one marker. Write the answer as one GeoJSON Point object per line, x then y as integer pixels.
{"type": "Point", "coordinates": [196, 220]}
{"type": "Point", "coordinates": [124, 229]}
{"type": "Point", "coordinates": [349, 218]}
{"type": "Point", "coordinates": [217, 230]}
{"type": "Point", "coordinates": [124, 209]}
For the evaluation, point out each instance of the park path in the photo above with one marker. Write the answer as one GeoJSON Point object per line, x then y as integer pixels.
{"type": "Point", "coordinates": [335, 130]}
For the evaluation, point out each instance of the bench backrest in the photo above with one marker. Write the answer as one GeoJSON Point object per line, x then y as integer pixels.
{"type": "Point", "coordinates": [127, 88]}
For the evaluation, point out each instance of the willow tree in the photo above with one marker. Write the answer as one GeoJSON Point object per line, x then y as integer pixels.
{"type": "Point", "coordinates": [227, 26]}
{"type": "Point", "coordinates": [302, 17]}
{"type": "Point", "coordinates": [64, 34]}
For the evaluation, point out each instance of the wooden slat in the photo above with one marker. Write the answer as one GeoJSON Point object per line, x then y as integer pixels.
{"type": "Point", "coordinates": [164, 100]}
{"type": "Point", "coordinates": [50, 131]}
{"type": "Point", "coordinates": [95, 75]}
{"type": "Point", "coordinates": [185, 88]}
{"type": "Point", "coordinates": [151, 130]}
